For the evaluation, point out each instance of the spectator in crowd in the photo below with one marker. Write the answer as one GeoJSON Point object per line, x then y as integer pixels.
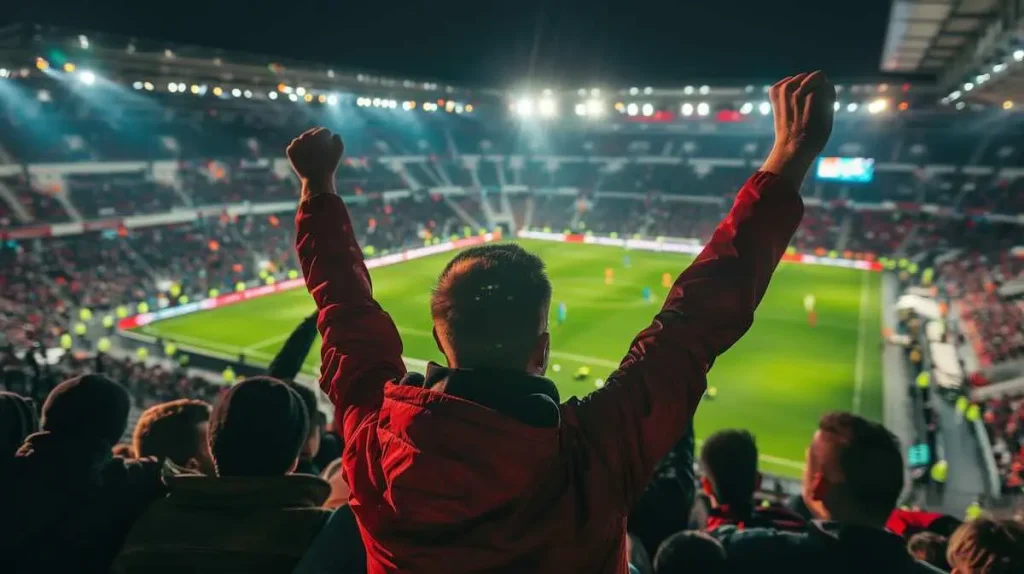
{"type": "Point", "coordinates": [730, 479]}
{"type": "Point", "coordinates": [176, 431]}
{"type": "Point", "coordinates": [907, 523]}
{"type": "Point", "coordinates": [930, 548]}
{"type": "Point", "coordinates": [664, 507]}
{"type": "Point", "coordinates": [339, 488]}
{"type": "Point", "coordinates": [68, 502]}
{"type": "Point", "coordinates": [312, 444]}
{"type": "Point", "coordinates": [852, 478]}
{"type": "Point", "coordinates": [338, 548]}
{"type": "Point", "coordinates": [986, 546]}
{"type": "Point", "coordinates": [481, 449]}
{"type": "Point", "coordinates": [17, 421]}
{"type": "Point", "coordinates": [690, 552]}
{"type": "Point", "coordinates": [254, 515]}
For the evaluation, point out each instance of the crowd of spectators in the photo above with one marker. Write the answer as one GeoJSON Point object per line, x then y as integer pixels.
{"type": "Point", "coordinates": [1004, 420]}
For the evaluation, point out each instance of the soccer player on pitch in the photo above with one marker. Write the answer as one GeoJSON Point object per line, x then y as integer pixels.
{"type": "Point", "coordinates": [609, 275]}
{"type": "Point", "coordinates": [563, 313]}
{"type": "Point", "coordinates": [812, 316]}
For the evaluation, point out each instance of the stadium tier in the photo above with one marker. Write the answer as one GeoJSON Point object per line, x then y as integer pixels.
{"type": "Point", "coordinates": [148, 232]}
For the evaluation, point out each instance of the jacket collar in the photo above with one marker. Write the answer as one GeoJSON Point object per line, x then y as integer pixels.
{"type": "Point", "coordinates": [290, 490]}
{"type": "Point", "coordinates": [527, 398]}
{"type": "Point", "coordinates": [878, 541]}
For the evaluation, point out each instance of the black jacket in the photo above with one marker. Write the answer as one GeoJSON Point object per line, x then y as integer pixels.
{"type": "Point", "coordinates": [825, 547]}
{"type": "Point", "coordinates": [67, 504]}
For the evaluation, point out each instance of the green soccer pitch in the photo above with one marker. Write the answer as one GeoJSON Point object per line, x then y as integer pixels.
{"type": "Point", "coordinates": [776, 382]}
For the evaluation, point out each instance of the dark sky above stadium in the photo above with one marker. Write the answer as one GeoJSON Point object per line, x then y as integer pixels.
{"type": "Point", "coordinates": [492, 42]}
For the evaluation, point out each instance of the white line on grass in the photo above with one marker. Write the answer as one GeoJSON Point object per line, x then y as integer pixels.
{"type": "Point", "coordinates": [787, 462]}
{"type": "Point", "coordinates": [267, 342]}
{"type": "Point", "coordinates": [858, 370]}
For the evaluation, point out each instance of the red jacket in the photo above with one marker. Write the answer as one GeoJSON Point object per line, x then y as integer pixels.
{"type": "Point", "coordinates": [442, 484]}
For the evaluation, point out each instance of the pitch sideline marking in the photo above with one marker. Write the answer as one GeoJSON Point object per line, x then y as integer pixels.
{"type": "Point", "coordinates": [858, 370]}
{"type": "Point", "coordinates": [421, 364]}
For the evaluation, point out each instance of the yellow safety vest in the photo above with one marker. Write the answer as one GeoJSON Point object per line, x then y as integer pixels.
{"type": "Point", "coordinates": [66, 342]}
{"type": "Point", "coordinates": [961, 404]}
{"type": "Point", "coordinates": [142, 353]}
{"type": "Point", "coordinates": [229, 375]}
{"type": "Point", "coordinates": [85, 314]}
{"type": "Point", "coordinates": [108, 321]}
{"type": "Point", "coordinates": [923, 380]}
{"type": "Point", "coordinates": [973, 413]}
{"type": "Point", "coordinates": [121, 311]}
{"type": "Point", "coordinates": [973, 512]}
{"type": "Point", "coordinates": [81, 329]}
{"type": "Point", "coordinates": [170, 349]}
{"type": "Point", "coordinates": [939, 471]}
{"type": "Point", "coordinates": [103, 345]}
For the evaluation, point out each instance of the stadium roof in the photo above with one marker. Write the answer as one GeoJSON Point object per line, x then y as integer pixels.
{"type": "Point", "coordinates": [958, 42]}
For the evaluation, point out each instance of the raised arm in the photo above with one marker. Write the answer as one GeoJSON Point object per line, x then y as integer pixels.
{"type": "Point", "coordinates": [650, 400]}
{"type": "Point", "coordinates": [361, 348]}
{"type": "Point", "coordinates": [288, 361]}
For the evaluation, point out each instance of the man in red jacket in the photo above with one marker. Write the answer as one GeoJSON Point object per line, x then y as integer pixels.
{"type": "Point", "coordinates": [477, 466]}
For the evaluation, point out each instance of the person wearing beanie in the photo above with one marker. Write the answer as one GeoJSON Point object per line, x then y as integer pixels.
{"type": "Point", "coordinates": [67, 503]}
{"type": "Point", "coordinates": [256, 514]}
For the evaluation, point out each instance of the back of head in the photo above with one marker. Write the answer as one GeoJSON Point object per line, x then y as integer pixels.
{"type": "Point", "coordinates": [91, 407]}
{"type": "Point", "coordinates": [861, 462]}
{"type": "Point", "coordinates": [17, 421]}
{"type": "Point", "coordinates": [172, 430]}
{"type": "Point", "coordinates": [315, 420]}
{"type": "Point", "coordinates": [690, 551]}
{"type": "Point", "coordinates": [929, 547]}
{"type": "Point", "coordinates": [729, 461]}
{"type": "Point", "coordinates": [490, 307]}
{"type": "Point", "coordinates": [986, 546]}
{"type": "Point", "coordinates": [257, 429]}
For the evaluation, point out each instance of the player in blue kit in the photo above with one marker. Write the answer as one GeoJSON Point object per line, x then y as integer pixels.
{"type": "Point", "coordinates": [563, 313]}
{"type": "Point", "coordinates": [648, 296]}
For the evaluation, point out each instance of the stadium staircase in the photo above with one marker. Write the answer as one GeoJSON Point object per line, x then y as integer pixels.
{"type": "Point", "coordinates": [138, 258]}
{"type": "Point", "coordinates": [16, 207]}
{"type": "Point", "coordinates": [407, 177]}
{"type": "Point", "coordinates": [506, 216]}
{"type": "Point", "coordinates": [488, 211]}
{"type": "Point", "coordinates": [463, 215]}
{"type": "Point", "coordinates": [65, 202]}
{"type": "Point", "coordinates": [527, 221]}
{"type": "Point", "coordinates": [440, 171]}
{"type": "Point", "coordinates": [845, 229]}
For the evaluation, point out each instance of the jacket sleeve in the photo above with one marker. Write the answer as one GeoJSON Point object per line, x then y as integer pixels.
{"type": "Point", "coordinates": [361, 348]}
{"type": "Point", "coordinates": [288, 362]}
{"type": "Point", "coordinates": [647, 404]}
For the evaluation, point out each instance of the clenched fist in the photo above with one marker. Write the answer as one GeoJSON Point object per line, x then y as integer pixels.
{"type": "Point", "coordinates": [315, 156]}
{"type": "Point", "coordinates": [803, 111]}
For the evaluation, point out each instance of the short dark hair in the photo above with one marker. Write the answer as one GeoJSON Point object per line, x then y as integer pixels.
{"type": "Point", "coordinates": [488, 304]}
{"type": "Point", "coordinates": [257, 428]}
{"type": "Point", "coordinates": [308, 397]}
{"type": "Point", "coordinates": [690, 551]}
{"type": "Point", "coordinates": [987, 546]}
{"type": "Point", "coordinates": [169, 430]}
{"type": "Point", "coordinates": [869, 459]}
{"type": "Point", "coordinates": [929, 547]}
{"type": "Point", "coordinates": [729, 460]}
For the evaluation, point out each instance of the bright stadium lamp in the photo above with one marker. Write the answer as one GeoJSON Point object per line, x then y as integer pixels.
{"type": "Point", "coordinates": [634, 91]}
{"type": "Point", "coordinates": [703, 109]}
{"type": "Point", "coordinates": [148, 86]}
{"type": "Point", "coordinates": [765, 108]}
{"type": "Point", "coordinates": [272, 95]}
{"type": "Point", "coordinates": [581, 109]}
{"type": "Point", "coordinates": [547, 108]}
{"type": "Point", "coordinates": [135, 85]}
{"type": "Point", "coordinates": [300, 91]}
{"type": "Point", "coordinates": [836, 106]}
{"type": "Point", "coordinates": [705, 90]}
{"type": "Point", "coordinates": [878, 106]}
{"type": "Point", "coordinates": [332, 100]}
{"type": "Point", "coordinates": [595, 108]}
{"type": "Point", "coordinates": [686, 109]}
{"type": "Point", "coordinates": [238, 93]}
{"type": "Point", "coordinates": [172, 87]}
{"type": "Point", "coordinates": [632, 109]}
{"type": "Point", "coordinates": [524, 107]}
{"type": "Point", "coordinates": [647, 110]}
{"type": "Point", "coordinates": [999, 68]}
{"type": "Point", "coordinates": [1018, 55]}
{"type": "Point", "coordinates": [293, 97]}
{"type": "Point", "coordinates": [851, 107]}
{"type": "Point", "coordinates": [247, 94]}
{"type": "Point", "coordinates": [968, 87]}
{"type": "Point", "coordinates": [746, 108]}
{"type": "Point", "coordinates": [688, 90]}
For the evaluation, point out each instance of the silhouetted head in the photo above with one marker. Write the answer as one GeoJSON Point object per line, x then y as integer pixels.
{"type": "Point", "coordinates": [987, 546]}
{"type": "Point", "coordinates": [490, 309]}
{"type": "Point", "coordinates": [854, 471]}
{"type": "Point", "coordinates": [87, 407]}
{"type": "Point", "coordinates": [258, 428]}
{"type": "Point", "coordinates": [690, 551]}
{"type": "Point", "coordinates": [729, 461]}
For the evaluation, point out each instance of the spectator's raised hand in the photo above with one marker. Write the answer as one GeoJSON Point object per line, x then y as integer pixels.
{"type": "Point", "coordinates": [803, 111]}
{"type": "Point", "coordinates": [314, 156]}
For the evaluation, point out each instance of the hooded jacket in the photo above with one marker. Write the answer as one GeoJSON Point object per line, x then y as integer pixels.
{"type": "Point", "coordinates": [484, 470]}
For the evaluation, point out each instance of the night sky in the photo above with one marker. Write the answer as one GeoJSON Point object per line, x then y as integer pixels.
{"type": "Point", "coordinates": [497, 43]}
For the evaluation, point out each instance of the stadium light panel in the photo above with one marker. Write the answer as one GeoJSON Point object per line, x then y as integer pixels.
{"type": "Point", "coordinates": [595, 108]}
{"type": "Point", "coordinates": [238, 93]}
{"type": "Point", "coordinates": [765, 108]}
{"type": "Point", "coordinates": [968, 87]}
{"type": "Point", "coordinates": [1008, 105]}
{"type": "Point", "coordinates": [960, 105]}
{"type": "Point", "coordinates": [4, 72]}
{"type": "Point", "coordinates": [308, 98]}
{"type": "Point", "coordinates": [524, 107]}
{"type": "Point", "coordinates": [172, 87]}
{"type": "Point", "coordinates": [148, 85]}
{"type": "Point", "coordinates": [835, 106]}
{"type": "Point", "coordinates": [83, 41]}
{"type": "Point", "coordinates": [322, 99]}
{"type": "Point", "coordinates": [469, 108]}
{"type": "Point", "coordinates": [955, 95]}
{"type": "Point", "coordinates": [247, 94]}
{"type": "Point", "coordinates": [581, 109]}
{"type": "Point", "coordinates": [293, 97]}
{"type": "Point", "coordinates": [688, 90]}
{"type": "Point", "coordinates": [746, 108]}
{"type": "Point", "coordinates": [548, 108]}
{"type": "Point", "coordinates": [634, 91]}
{"type": "Point", "coordinates": [705, 90]}
{"type": "Point", "coordinates": [195, 89]}
{"type": "Point", "coordinates": [42, 64]}
{"type": "Point", "coordinates": [300, 91]}
{"type": "Point", "coordinates": [999, 68]}
{"type": "Point", "coordinates": [69, 67]}
{"type": "Point", "coordinates": [375, 102]}
{"type": "Point", "coordinates": [632, 109]}
{"type": "Point", "coordinates": [686, 109]}
{"type": "Point", "coordinates": [620, 107]}
{"type": "Point", "coordinates": [851, 107]}
{"type": "Point", "coordinates": [449, 106]}
{"type": "Point", "coordinates": [135, 85]}
{"type": "Point", "coordinates": [581, 92]}
{"type": "Point", "coordinates": [218, 91]}
{"type": "Point", "coordinates": [272, 95]}
{"type": "Point", "coordinates": [878, 106]}
{"type": "Point", "coordinates": [332, 100]}
{"type": "Point", "coordinates": [703, 109]}
{"type": "Point", "coordinates": [181, 87]}
{"type": "Point", "coordinates": [43, 96]}
{"type": "Point", "coordinates": [647, 110]}
{"type": "Point", "coordinates": [648, 90]}
{"type": "Point", "coordinates": [1018, 55]}
{"type": "Point", "coordinates": [982, 78]}
{"type": "Point", "coordinates": [595, 92]}
{"type": "Point", "coordinates": [749, 89]}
